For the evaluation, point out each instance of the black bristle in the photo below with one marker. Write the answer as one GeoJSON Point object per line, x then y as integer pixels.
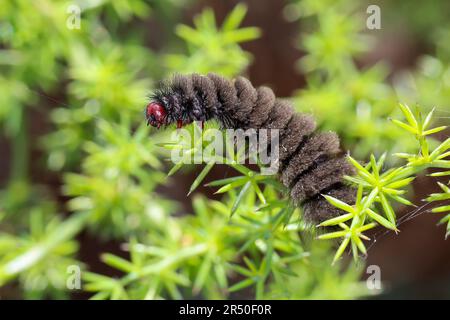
{"type": "Point", "coordinates": [311, 163]}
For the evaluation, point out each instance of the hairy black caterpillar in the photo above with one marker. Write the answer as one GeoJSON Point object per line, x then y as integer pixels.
{"type": "Point", "coordinates": [311, 163]}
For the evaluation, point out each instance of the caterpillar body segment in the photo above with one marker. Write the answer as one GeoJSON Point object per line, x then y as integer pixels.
{"type": "Point", "coordinates": [311, 163]}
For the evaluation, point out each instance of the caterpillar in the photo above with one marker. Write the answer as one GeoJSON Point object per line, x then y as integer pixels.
{"type": "Point", "coordinates": [311, 163]}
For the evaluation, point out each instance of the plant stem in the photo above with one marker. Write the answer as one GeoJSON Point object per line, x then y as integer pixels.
{"type": "Point", "coordinates": [259, 290]}
{"type": "Point", "coordinates": [20, 154]}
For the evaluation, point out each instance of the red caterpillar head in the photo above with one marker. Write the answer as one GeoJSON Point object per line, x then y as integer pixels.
{"type": "Point", "coordinates": [155, 114]}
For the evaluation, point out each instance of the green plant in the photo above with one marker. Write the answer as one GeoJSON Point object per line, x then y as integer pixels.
{"type": "Point", "coordinates": [83, 164]}
{"type": "Point", "coordinates": [334, 39]}
{"type": "Point", "coordinates": [445, 195]}
{"type": "Point", "coordinates": [377, 190]}
{"type": "Point", "coordinates": [210, 46]}
{"type": "Point", "coordinates": [98, 133]}
{"type": "Point", "coordinates": [206, 254]}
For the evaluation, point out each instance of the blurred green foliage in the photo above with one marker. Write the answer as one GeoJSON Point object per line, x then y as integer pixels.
{"type": "Point", "coordinates": [91, 84]}
{"type": "Point", "coordinates": [334, 37]}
